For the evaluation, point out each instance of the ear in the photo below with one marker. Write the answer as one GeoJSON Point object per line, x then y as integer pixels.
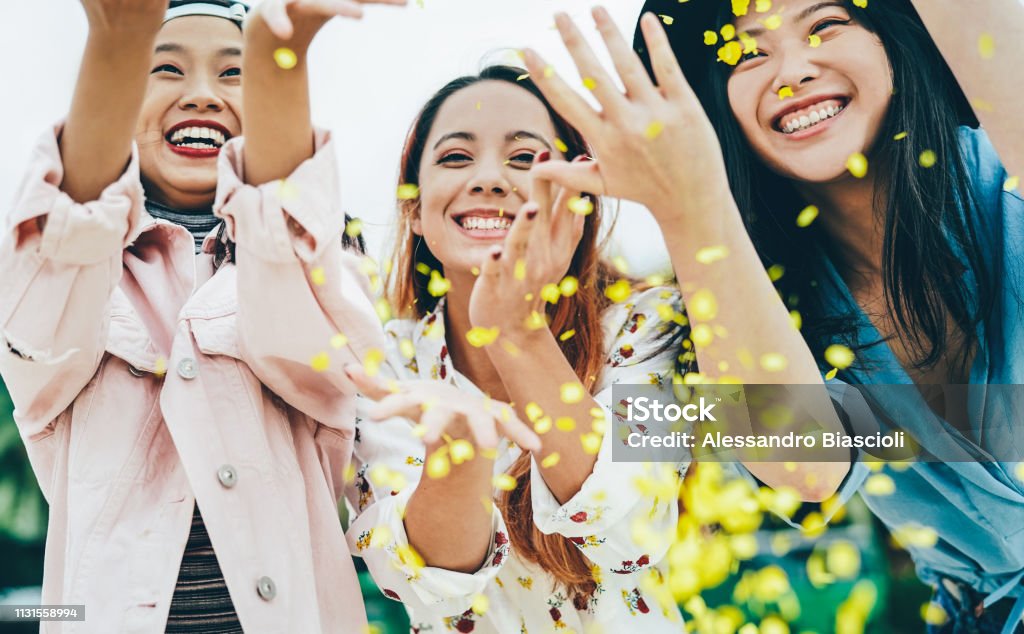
{"type": "Point", "coordinates": [415, 223]}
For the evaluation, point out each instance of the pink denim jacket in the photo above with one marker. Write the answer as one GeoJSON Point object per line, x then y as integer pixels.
{"type": "Point", "coordinates": [142, 383]}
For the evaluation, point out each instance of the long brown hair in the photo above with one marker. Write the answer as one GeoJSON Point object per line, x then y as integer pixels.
{"type": "Point", "coordinates": [407, 290]}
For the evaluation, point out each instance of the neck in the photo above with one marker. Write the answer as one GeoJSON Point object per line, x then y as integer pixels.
{"type": "Point", "coordinates": [473, 363]}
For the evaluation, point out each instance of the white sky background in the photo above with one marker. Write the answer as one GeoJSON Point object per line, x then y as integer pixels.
{"type": "Point", "coordinates": [368, 80]}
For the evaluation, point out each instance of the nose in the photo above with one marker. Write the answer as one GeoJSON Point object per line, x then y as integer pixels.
{"type": "Point", "coordinates": [200, 95]}
{"type": "Point", "coordinates": [489, 178]}
{"type": "Point", "coordinates": [796, 67]}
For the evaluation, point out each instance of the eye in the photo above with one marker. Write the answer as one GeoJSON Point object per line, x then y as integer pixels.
{"type": "Point", "coordinates": [751, 55]}
{"type": "Point", "coordinates": [232, 72]}
{"type": "Point", "coordinates": [826, 23]}
{"type": "Point", "coordinates": [167, 68]}
{"type": "Point", "coordinates": [455, 159]}
{"type": "Point", "coordinates": [522, 160]}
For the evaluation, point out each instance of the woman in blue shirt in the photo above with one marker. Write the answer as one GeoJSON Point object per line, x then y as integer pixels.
{"type": "Point", "coordinates": [838, 131]}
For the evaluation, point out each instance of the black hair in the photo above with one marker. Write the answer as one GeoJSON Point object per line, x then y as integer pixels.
{"type": "Point", "coordinates": [931, 217]}
{"type": "Point", "coordinates": [224, 249]}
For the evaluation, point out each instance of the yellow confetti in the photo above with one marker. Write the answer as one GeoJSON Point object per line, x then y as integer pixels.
{"type": "Point", "coordinates": [1020, 471]}
{"type": "Point", "coordinates": [536, 320]}
{"type": "Point", "coordinates": [438, 465]}
{"type": "Point", "coordinates": [161, 366]}
{"type": "Point", "coordinates": [533, 412]}
{"type": "Point", "coordinates": [408, 556]}
{"type": "Point", "coordinates": [479, 337]}
{"type": "Point", "coordinates": [438, 285]}
{"type": "Point", "coordinates": [560, 144]}
{"type": "Point", "coordinates": [775, 272]}
{"type": "Point", "coordinates": [317, 276]}
{"type": "Point", "coordinates": [620, 264]}
{"type": "Point", "coordinates": [879, 484]}
{"type": "Point", "coordinates": [285, 58]}
{"type": "Point", "coordinates": [710, 38]}
{"type": "Point", "coordinates": [654, 130]}
{"type": "Point", "coordinates": [710, 255]}
{"type": "Point", "coordinates": [572, 393]}
{"type": "Point", "coordinates": [814, 40]}
{"type": "Point", "coordinates": [320, 362]}
{"type": "Point", "coordinates": [843, 559]}
{"type": "Point", "coordinates": [831, 374]}
{"type": "Point", "coordinates": [568, 286]}
{"type": "Point", "coordinates": [407, 348]}
{"type": "Point", "coordinates": [480, 604]}
{"type": "Point", "coordinates": [916, 536]}
{"type": "Point", "coordinates": [774, 362]}
{"type": "Point", "coordinates": [796, 319]}
{"type": "Point", "coordinates": [703, 306]}
{"type": "Point", "coordinates": [702, 335]}
{"type": "Point", "coordinates": [581, 205]}
{"type": "Point", "coordinates": [806, 216]}
{"type": "Point", "coordinates": [839, 356]}
{"type": "Point", "coordinates": [589, 83]}
{"type": "Point", "coordinates": [934, 614]}
{"type": "Point", "coordinates": [591, 443]}
{"type": "Point", "coordinates": [567, 335]}
{"type": "Point", "coordinates": [861, 3]}
{"type": "Point", "coordinates": [565, 423]}
{"type": "Point", "coordinates": [728, 31]}
{"type": "Point", "coordinates": [899, 136]}
{"type": "Point", "coordinates": [519, 271]}
{"type": "Point", "coordinates": [667, 19]}
{"type": "Point", "coordinates": [461, 450]}
{"type": "Point", "coordinates": [1011, 183]}
{"type": "Point", "coordinates": [383, 309]}
{"type": "Point", "coordinates": [548, 72]}
{"type": "Point", "coordinates": [523, 76]}
{"type": "Point", "coordinates": [730, 53]}
{"type": "Point", "coordinates": [739, 7]}
{"type": "Point", "coordinates": [927, 159]}
{"type": "Point", "coordinates": [550, 293]}
{"type": "Point", "coordinates": [543, 425]}
{"type": "Point", "coordinates": [986, 46]}
{"type": "Point", "coordinates": [550, 460]}
{"type": "Point", "coordinates": [371, 362]}
{"type": "Point", "coordinates": [479, 105]}
{"type": "Point", "coordinates": [772, 22]}
{"type": "Point", "coordinates": [763, 6]}
{"type": "Point", "coordinates": [408, 191]}
{"type": "Point", "coordinates": [785, 91]}
{"type": "Point", "coordinates": [749, 43]}
{"type": "Point", "coordinates": [504, 482]}
{"type": "Point", "coordinates": [857, 164]}
{"type": "Point", "coordinates": [619, 291]}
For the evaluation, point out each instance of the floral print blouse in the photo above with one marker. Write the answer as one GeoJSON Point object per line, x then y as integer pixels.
{"type": "Point", "coordinates": [602, 519]}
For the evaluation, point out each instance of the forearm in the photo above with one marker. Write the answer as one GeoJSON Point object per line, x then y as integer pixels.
{"type": "Point", "coordinates": [97, 138]}
{"type": "Point", "coordinates": [276, 111]}
{"type": "Point", "coordinates": [448, 520]}
{"type": "Point", "coordinates": [992, 84]}
{"type": "Point", "coordinates": [525, 384]}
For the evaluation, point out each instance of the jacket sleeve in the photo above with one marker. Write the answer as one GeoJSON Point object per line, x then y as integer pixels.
{"type": "Point", "coordinates": [304, 307]}
{"type": "Point", "coordinates": [59, 263]}
{"type": "Point", "coordinates": [624, 515]}
{"type": "Point", "coordinates": [388, 463]}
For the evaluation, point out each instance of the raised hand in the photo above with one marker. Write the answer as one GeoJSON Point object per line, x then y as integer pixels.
{"type": "Point", "coordinates": [138, 18]}
{"type": "Point", "coordinates": [295, 18]}
{"type": "Point", "coordinates": [654, 144]}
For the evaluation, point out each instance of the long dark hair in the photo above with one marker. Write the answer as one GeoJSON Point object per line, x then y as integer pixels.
{"type": "Point", "coordinates": [932, 217]}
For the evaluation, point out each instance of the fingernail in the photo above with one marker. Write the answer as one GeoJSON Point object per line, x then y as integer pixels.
{"type": "Point", "coordinates": [496, 254]}
{"type": "Point", "coordinates": [350, 369]}
{"type": "Point", "coordinates": [579, 158]}
{"type": "Point", "coordinates": [531, 214]}
{"type": "Point", "coordinates": [542, 156]}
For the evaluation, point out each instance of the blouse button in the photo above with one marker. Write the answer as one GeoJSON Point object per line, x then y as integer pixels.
{"type": "Point", "coordinates": [187, 368]}
{"type": "Point", "coordinates": [228, 476]}
{"type": "Point", "coordinates": [266, 588]}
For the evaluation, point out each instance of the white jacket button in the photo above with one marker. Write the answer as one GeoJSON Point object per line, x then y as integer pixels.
{"type": "Point", "coordinates": [187, 368]}
{"type": "Point", "coordinates": [266, 588]}
{"type": "Point", "coordinates": [228, 476]}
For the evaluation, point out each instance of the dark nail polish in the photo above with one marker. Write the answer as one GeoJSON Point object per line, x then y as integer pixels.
{"type": "Point", "coordinates": [531, 214]}
{"type": "Point", "coordinates": [495, 255]}
{"type": "Point", "coordinates": [542, 156]}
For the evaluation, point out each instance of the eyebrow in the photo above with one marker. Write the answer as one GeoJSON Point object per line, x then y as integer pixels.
{"type": "Point", "coordinates": [803, 15]}
{"type": "Point", "coordinates": [510, 137]}
{"type": "Point", "coordinates": [230, 51]}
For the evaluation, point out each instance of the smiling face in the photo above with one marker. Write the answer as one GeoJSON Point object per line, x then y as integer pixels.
{"type": "Point", "coordinates": [192, 106]}
{"type": "Point", "coordinates": [474, 173]}
{"type": "Point", "coordinates": [841, 89]}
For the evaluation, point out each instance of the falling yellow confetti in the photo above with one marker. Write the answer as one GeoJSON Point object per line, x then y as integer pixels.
{"type": "Point", "coordinates": [739, 7]}
{"type": "Point", "coordinates": [550, 460]}
{"type": "Point", "coordinates": [654, 130]}
{"type": "Point", "coordinates": [814, 40]}
{"type": "Point", "coordinates": [796, 319]}
{"type": "Point", "coordinates": [763, 6]}
{"type": "Point", "coordinates": [320, 362]}
{"type": "Point", "coordinates": [619, 291]}
{"type": "Point", "coordinates": [927, 158]}
{"type": "Point", "coordinates": [1011, 183]}
{"type": "Point", "coordinates": [383, 309]}
{"type": "Point", "coordinates": [550, 293]}
{"type": "Point", "coordinates": [710, 38]}
{"type": "Point", "coordinates": [317, 276]}
{"type": "Point", "coordinates": [567, 335]}
{"type": "Point", "coordinates": [161, 366]}
{"type": "Point", "coordinates": [536, 320]}
{"type": "Point", "coordinates": [407, 348]}
{"type": "Point", "coordinates": [775, 272]}
{"type": "Point", "coordinates": [461, 450]}
{"type": "Point", "coordinates": [843, 559]}
{"type": "Point", "coordinates": [667, 19]}
{"type": "Point", "coordinates": [504, 482]}
{"type": "Point", "coordinates": [519, 270]}
{"type": "Point", "coordinates": [560, 144]}
{"type": "Point", "coordinates": [533, 412]}
{"type": "Point", "coordinates": [703, 306]}
{"type": "Point", "coordinates": [479, 337]}
{"type": "Point", "coordinates": [879, 484]}
{"type": "Point", "coordinates": [899, 136]}
{"type": "Point", "coordinates": [589, 83]}
{"type": "Point", "coordinates": [831, 374]}
{"type": "Point", "coordinates": [591, 443]}
{"type": "Point", "coordinates": [565, 423]}
{"type": "Point", "coordinates": [728, 31]}
{"type": "Point", "coordinates": [772, 22]}
{"type": "Point", "coordinates": [543, 425]}
{"type": "Point", "coordinates": [730, 53]}
{"type": "Point", "coordinates": [806, 216]}
{"type": "Point", "coordinates": [571, 393]}
{"type": "Point", "coordinates": [749, 43]}
{"type": "Point", "coordinates": [916, 536]}
{"type": "Point", "coordinates": [702, 335]}
{"type": "Point", "coordinates": [549, 72]}
{"type": "Point", "coordinates": [857, 164]}
{"type": "Point", "coordinates": [839, 356]}
{"type": "Point", "coordinates": [523, 76]}
{"type": "Point", "coordinates": [480, 604]}
{"type": "Point", "coordinates": [1020, 471]}
{"type": "Point", "coordinates": [408, 191]}
{"type": "Point", "coordinates": [933, 614]}
{"type": "Point", "coordinates": [710, 255]}
{"type": "Point", "coordinates": [353, 228]}
{"type": "Point", "coordinates": [371, 362]}
{"type": "Point", "coordinates": [438, 465]}
{"type": "Point", "coordinates": [568, 286]}
{"type": "Point", "coordinates": [861, 3]}
{"type": "Point", "coordinates": [438, 285]}
{"type": "Point", "coordinates": [285, 58]}
{"type": "Point", "coordinates": [986, 46]}
{"type": "Point", "coordinates": [581, 205]}
{"type": "Point", "coordinates": [785, 91]}
{"type": "Point", "coordinates": [774, 362]}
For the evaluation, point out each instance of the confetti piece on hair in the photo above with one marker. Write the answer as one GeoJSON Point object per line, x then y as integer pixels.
{"type": "Point", "coordinates": [286, 58]}
{"type": "Point", "coordinates": [320, 362]}
{"type": "Point", "coordinates": [461, 450]}
{"type": "Point", "coordinates": [710, 38]}
{"type": "Point", "coordinates": [739, 7]}
{"type": "Point", "coordinates": [775, 272]}
{"type": "Point", "coordinates": [879, 484]}
{"type": "Point", "coordinates": [703, 306]}
{"type": "Point", "coordinates": [408, 191]}
{"type": "Point", "coordinates": [438, 285]}
{"type": "Point", "coordinates": [571, 393]}
{"type": "Point", "coordinates": [702, 335]}
{"type": "Point", "coordinates": [550, 460]}
{"type": "Point", "coordinates": [318, 276]}
{"type": "Point", "coordinates": [371, 362]}
{"type": "Point", "coordinates": [899, 136]}
{"type": "Point", "coordinates": [927, 159]}
{"type": "Point", "coordinates": [654, 130]}
{"type": "Point", "coordinates": [581, 205]}
{"type": "Point", "coordinates": [863, 4]}
{"type": "Point", "coordinates": [857, 164]}
{"type": "Point", "coordinates": [519, 270]}
{"type": "Point", "coordinates": [1011, 183]}
{"type": "Point", "coordinates": [710, 255]}
{"type": "Point", "coordinates": [504, 482]}
{"type": "Point", "coordinates": [806, 216]}
{"type": "Point", "coordinates": [479, 337]}
{"type": "Point", "coordinates": [785, 91]}
{"type": "Point", "coordinates": [422, 268]}
{"type": "Point", "coordinates": [728, 31]}
{"type": "Point", "coordinates": [589, 83]}
{"type": "Point", "coordinates": [550, 293]}
{"type": "Point", "coordinates": [591, 443]}
{"type": "Point", "coordinates": [568, 286]}
{"type": "Point", "coordinates": [618, 292]}
{"type": "Point", "coordinates": [667, 19]}
{"type": "Point", "coordinates": [839, 356]}
{"type": "Point", "coordinates": [772, 22]}
{"type": "Point", "coordinates": [814, 40]}
{"type": "Point", "coordinates": [986, 46]}
{"type": "Point", "coordinates": [730, 53]}
{"type": "Point", "coordinates": [560, 144]}
{"type": "Point", "coordinates": [796, 319]}
{"type": "Point", "coordinates": [933, 614]}
{"type": "Point", "coordinates": [774, 362]}
{"type": "Point", "coordinates": [567, 335]}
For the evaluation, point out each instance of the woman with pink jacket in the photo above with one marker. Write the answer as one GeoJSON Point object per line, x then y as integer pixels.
{"type": "Point", "coordinates": [176, 387]}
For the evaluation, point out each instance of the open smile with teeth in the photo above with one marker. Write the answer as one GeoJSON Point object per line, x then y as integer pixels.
{"type": "Point", "coordinates": [808, 117]}
{"type": "Point", "coordinates": [197, 138]}
{"type": "Point", "coordinates": [490, 223]}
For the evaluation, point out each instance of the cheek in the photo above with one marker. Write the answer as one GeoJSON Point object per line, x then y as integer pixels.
{"type": "Point", "coordinates": [743, 100]}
